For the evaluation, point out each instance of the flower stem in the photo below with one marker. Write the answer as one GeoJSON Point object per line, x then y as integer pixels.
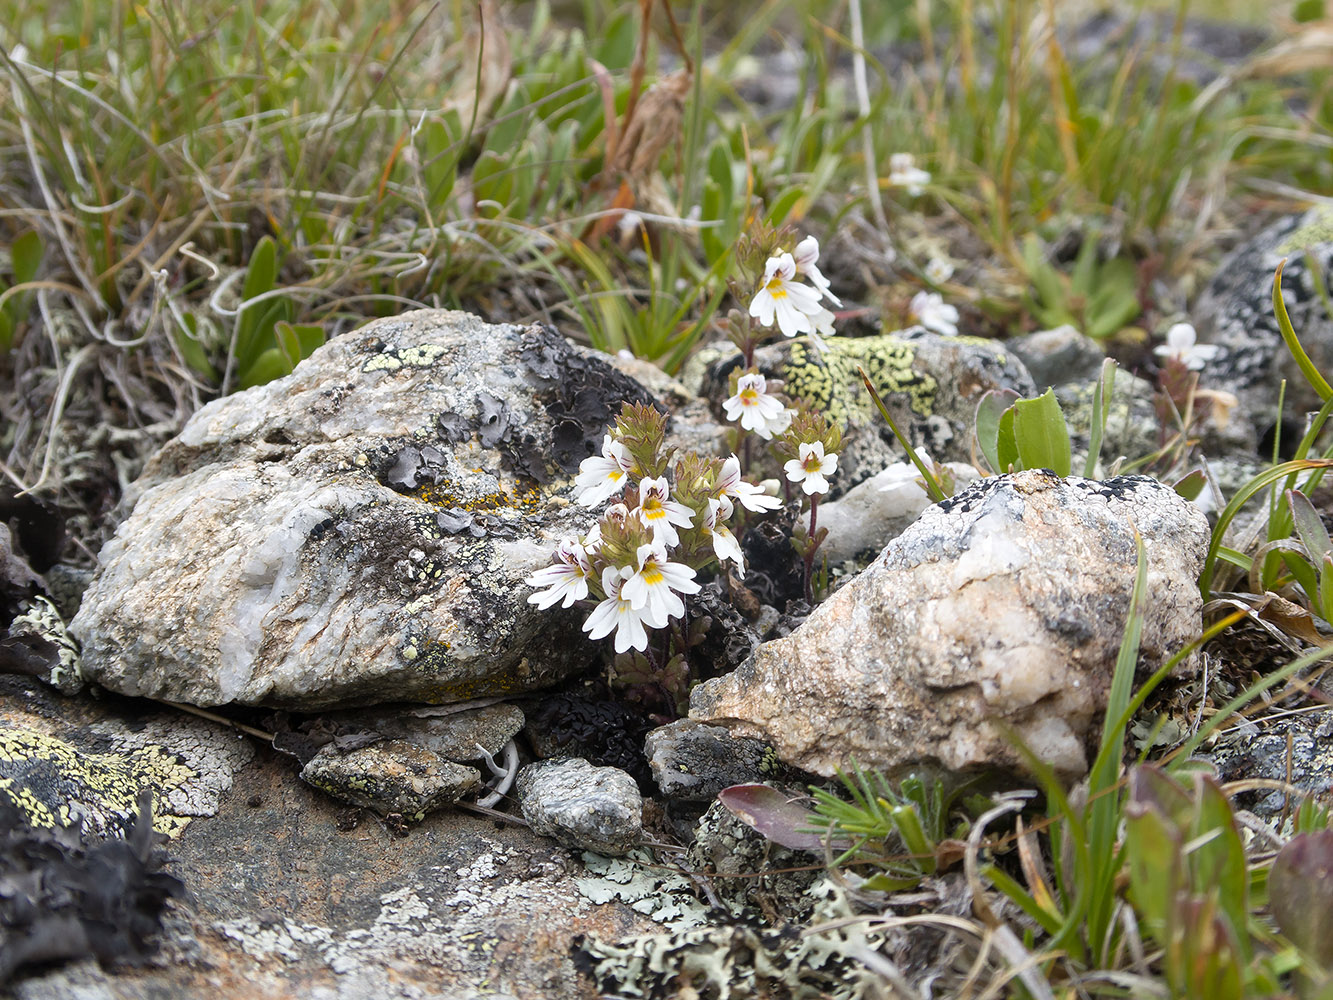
{"type": "Point", "coordinates": [811, 545]}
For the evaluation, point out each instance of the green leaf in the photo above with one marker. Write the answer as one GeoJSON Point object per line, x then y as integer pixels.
{"type": "Point", "coordinates": [990, 410]}
{"type": "Point", "coordinates": [1308, 369]}
{"type": "Point", "coordinates": [26, 254]}
{"type": "Point", "coordinates": [1191, 484]}
{"type": "Point", "coordinates": [270, 364]}
{"type": "Point", "coordinates": [1041, 434]}
{"type": "Point", "coordinates": [1006, 447]}
{"type": "Point", "coordinates": [297, 342]}
{"type": "Point", "coordinates": [783, 204]}
{"type": "Point", "coordinates": [1101, 409]}
{"type": "Point", "coordinates": [6, 332]}
{"type": "Point", "coordinates": [1309, 526]}
{"type": "Point", "coordinates": [192, 351]}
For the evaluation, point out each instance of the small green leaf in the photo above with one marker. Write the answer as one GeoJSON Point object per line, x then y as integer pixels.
{"type": "Point", "coordinates": [1041, 434]}
{"type": "Point", "coordinates": [1101, 409]}
{"type": "Point", "coordinates": [1191, 484]}
{"type": "Point", "coordinates": [269, 365]}
{"type": "Point", "coordinates": [26, 254]}
{"type": "Point", "coordinates": [783, 204]}
{"type": "Point", "coordinates": [989, 412]}
{"type": "Point", "coordinates": [1309, 526]}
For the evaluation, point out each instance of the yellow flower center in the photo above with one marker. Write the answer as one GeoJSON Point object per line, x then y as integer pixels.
{"type": "Point", "coordinates": [777, 287]}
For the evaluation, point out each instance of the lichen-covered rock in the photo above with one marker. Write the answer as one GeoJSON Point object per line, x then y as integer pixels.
{"type": "Point", "coordinates": [733, 961]}
{"type": "Point", "coordinates": [930, 383]}
{"type": "Point", "coordinates": [1235, 312]}
{"type": "Point", "coordinates": [591, 808]}
{"type": "Point", "coordinates": [693, 762]}
{"type": "Point", "coordinates": [390, 777]}
{"type": "Point", "coordinates": [359, 531]}
{"type": "Point", "coordinates": [1007, 602]}
{"type": "Point", "coordinates": [64, 765]}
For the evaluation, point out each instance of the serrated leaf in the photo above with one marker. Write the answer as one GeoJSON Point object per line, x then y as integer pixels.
{"type": "Point", "coordinates": [1041, 434]}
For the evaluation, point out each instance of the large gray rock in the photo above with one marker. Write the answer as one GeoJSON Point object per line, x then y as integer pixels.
{"type": "Point", "coordinates": [1006, 603]}
{"type": "Point", "coordinates": [359, 530]}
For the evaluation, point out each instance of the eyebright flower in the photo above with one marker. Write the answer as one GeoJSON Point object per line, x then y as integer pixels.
{"type": "Point", "coordinates": [603, 476]}
{"type": "Point", "coordinates": [785, 299]}
{"type": "Point", "coordinates": [928, 309]}
{"type": "Point", "coordinates": [659, 513]}
{"type": "Point", "coordinates": [806, 258]}
{"type": "Point", "coordinates": [1180, 345]}
{"type": "Point", "coordinates": [904, 173]}
{"type": "Point", "coordinates": [811, 466]}
{"type": "Point", "coordinates": [725, 545]}
{"type": "Point", "coordinates": [939, 270]}
{"type": "Point", "coordinates": [566, 578]}
{"type": "Point", "coordinates": [751, 497]}
{"type": "Point", "coordinates": [652, 588]}
{"type": "Point", "coordinates": [618, 613]}
{"type": "Point", "coordinates": [755, 409]}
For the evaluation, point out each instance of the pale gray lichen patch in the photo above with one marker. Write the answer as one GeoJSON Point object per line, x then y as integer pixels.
{"type": "Point", "coordinates": [649, 888]}
{"type": "Point", "coordinates": [742, 960]}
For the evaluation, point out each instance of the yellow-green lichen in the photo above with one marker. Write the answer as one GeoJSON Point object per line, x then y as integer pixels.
{"type": "Point", "coordinates": [1318, 229]}
{"type": "Point", "coordinates": [830, 382]}
{"type": "Point", "coordinates": [447, 495]}
{"type": "Point", "coordinates": [422, 356]}
{"type": "Point", "coordinates": [56, 784]}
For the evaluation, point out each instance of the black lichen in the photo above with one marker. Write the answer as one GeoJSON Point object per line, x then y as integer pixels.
{"type": "Point", "coordinates": [63, 899]}
{"type": "Point", "coordinates": [602, 732]}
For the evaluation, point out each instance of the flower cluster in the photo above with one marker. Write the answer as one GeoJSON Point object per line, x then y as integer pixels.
{"type": "Point", "coordinates": [795, 306]}
{"type": "Point", "coordinates": [644, 552]}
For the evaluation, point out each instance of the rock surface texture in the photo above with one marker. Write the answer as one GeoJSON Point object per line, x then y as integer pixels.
{"type": "Point", "coordinates": [1236, 313]}
{"type": "Point", "coordinates": [358, 531]}
{"type": "Point", "coordinates": [1006, 602]}
{"type": "Point", "coordinates": [593, 808]}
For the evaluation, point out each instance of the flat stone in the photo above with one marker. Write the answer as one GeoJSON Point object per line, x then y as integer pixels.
{"type": "Point", "coordinates": [1006, 603]}
{"type": "Point", "coordinates": [390, 777]}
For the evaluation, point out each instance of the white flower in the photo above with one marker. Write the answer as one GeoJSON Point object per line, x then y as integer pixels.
{"type": "Point", "coordinates": [651, 588]}
{"type": "Point", "coordinates": [566, 578]}
{"type": "Point", "coordinates": [659, 513]}
{"type": "Point", "coordinates": [1180, 345]}
{"type": "Point", "coordinates": [751, 497]}
{"type": "Point", "coordinates": [755, 409]}
{"type": "Point", "coordinates": [782, 297]}
{"type": "Point", "coordinates": [602, 476]}
{"type": "Point", "coordinates": [725, 545]}
{"type": "Point", "coordinates": [806, 258]}
{"type": "Point", "coordinates": [904, 173]}
{"type": "Point", "coordinates": [939, 270]}
{"type": "Point", "coordinates": [811, 466]}
{"type": "Point", "coordinates": [928, 309]}
{"type": "Point", "coordinates": [617, 612]}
